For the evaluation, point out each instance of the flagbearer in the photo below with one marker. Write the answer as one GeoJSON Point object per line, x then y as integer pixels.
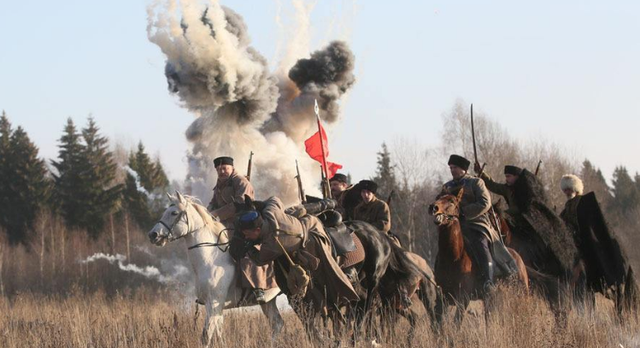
{"type": "Point", "coordinates": [231, 188]}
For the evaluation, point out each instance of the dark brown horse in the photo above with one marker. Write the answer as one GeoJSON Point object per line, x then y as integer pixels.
{"type": "Point", "coordinates": [454, 271]}
{"type": "Point", "coordinates": [554, 284]}
{"type": "Point", "coordinates": [397, 301]}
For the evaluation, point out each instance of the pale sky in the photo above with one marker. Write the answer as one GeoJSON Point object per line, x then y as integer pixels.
{"type": "Point", "coordinates": [568, 71]}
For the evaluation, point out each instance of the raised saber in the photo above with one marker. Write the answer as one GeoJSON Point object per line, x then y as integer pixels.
{"type": "Point", "coordinates": [473, 137]}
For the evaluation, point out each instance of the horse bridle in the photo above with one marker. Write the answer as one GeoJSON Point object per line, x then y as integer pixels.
{"type": "Point", "coordinates": [171, 238]}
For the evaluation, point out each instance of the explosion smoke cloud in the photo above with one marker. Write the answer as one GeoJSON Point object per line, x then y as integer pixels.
{"type": "Point", "coordinates": [242, 106]}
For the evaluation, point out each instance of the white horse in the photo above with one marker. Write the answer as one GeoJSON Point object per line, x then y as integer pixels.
{"type": "Point", "coordinates": [216, 273]}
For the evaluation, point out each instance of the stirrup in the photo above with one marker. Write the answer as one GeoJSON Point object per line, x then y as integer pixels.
{"type": "Point", "coordinates": [259, 294]}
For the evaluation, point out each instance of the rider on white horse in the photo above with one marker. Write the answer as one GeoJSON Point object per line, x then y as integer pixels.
{"type": "Point", "coordinates": [231, 188]}
{"type": "Point", "coordinates": [216, 273]}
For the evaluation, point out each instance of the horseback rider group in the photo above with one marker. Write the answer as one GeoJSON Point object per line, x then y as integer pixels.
{"type": "Point", "coordinates": [269, 232]}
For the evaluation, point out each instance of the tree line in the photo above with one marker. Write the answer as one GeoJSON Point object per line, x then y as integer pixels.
{"type": "Point", "coordinates": [84, 185]}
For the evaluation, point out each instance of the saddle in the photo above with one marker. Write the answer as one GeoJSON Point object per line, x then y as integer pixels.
{"type": "Point", "coordinates": [338, 232]}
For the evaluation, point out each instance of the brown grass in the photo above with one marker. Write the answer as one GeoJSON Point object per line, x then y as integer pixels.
{"type": "Point", "coordinates": [52, 300]}
{"type": "Point", "coordinates": [151, 319]}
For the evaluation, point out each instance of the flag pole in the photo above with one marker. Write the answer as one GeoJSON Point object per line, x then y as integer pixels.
{"type": "Point", "coordinates": [324, 155]}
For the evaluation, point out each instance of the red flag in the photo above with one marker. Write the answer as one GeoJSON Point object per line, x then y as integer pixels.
{"type": "Point", "coordinates": [314, 147]}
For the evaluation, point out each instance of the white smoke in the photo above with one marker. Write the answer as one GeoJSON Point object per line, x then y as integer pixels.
{"type": "Point", "coordinates": [135, 175]}
{"type": "Point", "coordinates": [242, 106]}
{"type": "Point", "coordinates": [149, 272]}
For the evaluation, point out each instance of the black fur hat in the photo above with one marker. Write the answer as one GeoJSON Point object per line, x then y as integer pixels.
{"type": "Point", "coordinates": [459, 161]}
{"type": "Point", "coordinates": [339, 178]}
{"type": "Point", "coordinates": [222, 160]}
{"type": "Point", "coordinates": [513, 170]}
{"type": "Point", "coordinates": [368, 185]}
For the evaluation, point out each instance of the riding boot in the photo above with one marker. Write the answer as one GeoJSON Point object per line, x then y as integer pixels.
{"type": "Point", "coordinates": [484, 260]}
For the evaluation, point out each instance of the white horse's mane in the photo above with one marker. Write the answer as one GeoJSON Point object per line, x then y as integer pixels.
{"type": "Point", "coordinates": [202, 211]}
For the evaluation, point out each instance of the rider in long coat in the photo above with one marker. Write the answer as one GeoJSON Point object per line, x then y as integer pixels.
{"type": "Point", "coordinates": [485, 244]}
{"type": "Point", "coordinates": [604, 257]}
{"type": "Point", "coordinates": [305, 242]}
{"type": "Point", "coordinates": [231, 188]}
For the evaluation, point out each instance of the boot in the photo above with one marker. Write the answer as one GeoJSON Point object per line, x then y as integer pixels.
{"type": "Point", "coordinates": [487, 278]}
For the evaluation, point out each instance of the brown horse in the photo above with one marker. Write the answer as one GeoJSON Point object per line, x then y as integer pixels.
{"type": "Point", "coordinates": [454, 271]}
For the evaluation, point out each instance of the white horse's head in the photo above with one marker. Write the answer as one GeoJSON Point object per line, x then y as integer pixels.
{"type": "Point", "coordinates": [180, 219]}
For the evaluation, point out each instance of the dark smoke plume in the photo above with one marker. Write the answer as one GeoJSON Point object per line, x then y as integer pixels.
{"type": "Point", "coordinates": [240, 104]}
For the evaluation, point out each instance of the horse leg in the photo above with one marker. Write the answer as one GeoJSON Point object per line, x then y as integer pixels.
{"type": "Point", "coordinates": [410, 315]}
{"type": "Point", "coordinates": [213, 323]}
{"type": "Point", "coordinates": [431, 298]}
{"type": "Point", "coordinates": [461, 309]}
{"type": "Point", "coordinates": [271, 311]}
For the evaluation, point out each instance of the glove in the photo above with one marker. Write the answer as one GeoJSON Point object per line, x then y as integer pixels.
{"type": "Point", "coordinates": [477, 168]}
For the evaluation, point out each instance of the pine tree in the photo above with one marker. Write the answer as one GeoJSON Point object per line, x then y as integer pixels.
{"type": "Point", "coordinates": [68, 192]}
{"type": "Point", "coordinates": [594, 181]}
{"type": "Point", "coordinates": [141, 163]}
{"type": "Point", "coordinates": [385, 175]}
{"type": "Point", "coordinates": [626, 195]}
{"type": "Point", "coordinates": [149, 200]}
{"type": "Point", "coordinates": [5, 148]}
{"type": "Point", "coordinates": [136, 202]}
{"type": "Point", "coordinates": [29, 186]}
{"type": "Point", "coordinates": [101, 194]}
{"type": "Point", "coordinates": [160, 180]}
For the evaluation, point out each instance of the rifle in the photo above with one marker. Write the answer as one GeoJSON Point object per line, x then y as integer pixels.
{"type": "Point", "coordinates": [303, 198]}
{"type": "Point", "coordinates": [538, 168]}
{"type": "Point", "coordinates": [249, 165]}
{"type": "Point", "coordinates": [390, 197]}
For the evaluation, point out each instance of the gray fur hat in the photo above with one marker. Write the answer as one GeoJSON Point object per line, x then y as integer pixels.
{"type": "Point", "coordinates": [572, 182]}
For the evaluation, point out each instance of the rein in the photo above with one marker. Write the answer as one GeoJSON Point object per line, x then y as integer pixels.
{"type": "Point", "coordinates": [221, 246]}
{"type": "Point", "coordinates": [225, 246]}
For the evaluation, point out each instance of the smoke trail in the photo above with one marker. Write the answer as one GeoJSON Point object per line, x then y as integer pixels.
{"type": "Point", "coordinates": [242, 106]}
{"type": "Point", "coordinates": [149, 272]}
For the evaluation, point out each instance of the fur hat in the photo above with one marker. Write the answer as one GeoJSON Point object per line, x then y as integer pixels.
{"type": "Point", "coordinates": [459, 161]}
{"type": "Point", "coordinates": [249, 220]}
{"type": "Point", "coordinates": [339, 178]}
{"type": "Point", "coordinates": [572, 182]}
{"type": "Point", "coordinates": [368, 185]}
{"type": "Point", "coordinates": [513, 170]}
{"type": "Point", "coordinates": [222, 160]}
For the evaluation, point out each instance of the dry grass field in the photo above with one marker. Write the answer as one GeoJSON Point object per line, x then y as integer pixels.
{"type": "Point", "coordinates": [50, 297]}
{"type": "Point", "coordinates": [160, 319]}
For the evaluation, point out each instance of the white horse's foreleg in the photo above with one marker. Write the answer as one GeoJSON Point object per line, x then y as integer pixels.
{"type": "Point", "coordinates": [213, 323]}
{"type": "Point", "coordinates": [270, 309]}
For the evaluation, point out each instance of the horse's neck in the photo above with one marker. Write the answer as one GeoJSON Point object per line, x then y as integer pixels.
{"type": "Point", "coordinates": [450, 241]}
{"type": "Point", "coordinates": [206, 256]}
